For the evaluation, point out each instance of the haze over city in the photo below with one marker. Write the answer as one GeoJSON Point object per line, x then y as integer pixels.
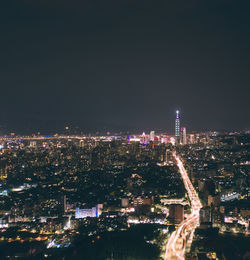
{"type": "Point", "coordinates": [124, 65]}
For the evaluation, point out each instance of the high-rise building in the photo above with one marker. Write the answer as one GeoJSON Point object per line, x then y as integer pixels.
{"type": "Point", "coordinates": [205, 215]}
{"type": "Point", "coordinates": [191, 139]}
{"type": "Point", "coordinates": [168, 157]}
{"type": "Point", "coordinates": [183, 135]}
{"type": "Point", "coordinates": [152, 136]}
{"type": "Point", "coordinates": [176, 213]}
{"type": "Point", "coordinates": [177, 127]}
{"type": "Point", "coordinates": [144, 138]}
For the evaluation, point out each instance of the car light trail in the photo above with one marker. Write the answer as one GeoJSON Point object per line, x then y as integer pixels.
{"type": "Point", "coordinates": [176, 245]}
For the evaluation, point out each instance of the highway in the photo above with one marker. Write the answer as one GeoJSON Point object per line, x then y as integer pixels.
{"type": "Point", "coordinates": [182, 237]}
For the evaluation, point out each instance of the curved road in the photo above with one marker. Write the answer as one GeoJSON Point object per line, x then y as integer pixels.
{"type": "Point", "coordinates": [183, 235]}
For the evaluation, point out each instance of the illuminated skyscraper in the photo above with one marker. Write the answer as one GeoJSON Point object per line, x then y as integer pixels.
{"type": "Point", "coordinates": [152, 136]}
{"type": "Point", "coordinates": [183, 135]}
{"type": "Point", "coordinates": [177, 127]}
{"type": "Point", "coordinates": [144, 138]}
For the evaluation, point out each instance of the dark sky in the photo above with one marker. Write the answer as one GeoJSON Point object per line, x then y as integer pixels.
{"type": "Point", "coordinates": [124, 64]}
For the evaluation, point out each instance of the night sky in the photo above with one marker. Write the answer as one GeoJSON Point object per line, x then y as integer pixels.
{"type": "Point", "coordinates": [124, 64]}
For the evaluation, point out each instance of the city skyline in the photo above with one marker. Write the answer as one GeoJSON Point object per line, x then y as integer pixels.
{"type": "Point", "coordinates": [175, 128]}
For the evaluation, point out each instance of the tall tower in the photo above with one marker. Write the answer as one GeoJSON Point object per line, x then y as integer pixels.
{"type": "Point", "coordinates": [177, 127]}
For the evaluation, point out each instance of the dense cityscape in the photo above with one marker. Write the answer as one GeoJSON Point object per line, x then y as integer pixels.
{"type": "Point", "coordinates": [147, 196]}
{"type": "Point", "coordinates": [124, 130]}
